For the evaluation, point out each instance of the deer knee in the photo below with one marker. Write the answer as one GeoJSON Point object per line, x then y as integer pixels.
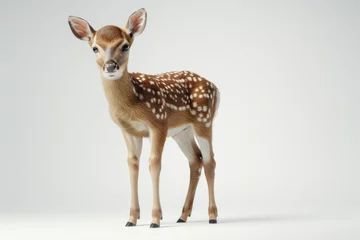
{"type": "Point", "coordinates": [195, 168]}
{"type": "Point", "coordinates": [133, 162]}
{"type": "Point", "coordinates": [155, 164]}
{"type": "Point", "coordinates": [210, 167]}
{"type": "Point", "coordinates": [195, 172]}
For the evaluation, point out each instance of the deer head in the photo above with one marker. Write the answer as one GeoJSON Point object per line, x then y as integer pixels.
{"type": "Point", "coordinates": [110, 44]}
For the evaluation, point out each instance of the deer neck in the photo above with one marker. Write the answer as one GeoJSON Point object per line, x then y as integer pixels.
{"type": "Point", "coordinates": [119, 93]}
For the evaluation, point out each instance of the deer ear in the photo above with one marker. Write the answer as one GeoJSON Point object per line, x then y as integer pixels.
{"type": "Point", "coordinates": [81, 28]}
{"type": "Point", "coordinates": [137, 22]}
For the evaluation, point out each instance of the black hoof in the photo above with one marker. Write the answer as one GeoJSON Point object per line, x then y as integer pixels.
{"type": "Point", "coordinates": [180, 221]}
{"type": "Point", "coordinates": [130, 224]}
{"type": "Point", "coordinates": [161, 218]}
{"type": "Point", "coordinates": [212, 221]}
{"type": "Point", "coordinates": [189, 215]}
{"type": "Point", "coordinates": [154, 225]}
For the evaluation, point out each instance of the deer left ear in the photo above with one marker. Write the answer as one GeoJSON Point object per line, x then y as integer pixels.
{"type": "Point", "coordinates": [137, 22]}
{"type": "Point", "coordinates": [81, 28]}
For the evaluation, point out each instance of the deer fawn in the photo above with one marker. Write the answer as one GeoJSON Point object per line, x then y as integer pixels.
{"type": "Point", "coordinates": [180, 105]}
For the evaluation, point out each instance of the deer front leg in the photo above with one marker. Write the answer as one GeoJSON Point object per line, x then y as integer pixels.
{"type": "Point", "coordinates": [134, 146]}
{"type": "Point", "coordinates": [157, 138]}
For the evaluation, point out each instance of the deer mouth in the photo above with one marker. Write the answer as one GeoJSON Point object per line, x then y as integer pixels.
{"type": "Point", "coordinates": [113, 75]}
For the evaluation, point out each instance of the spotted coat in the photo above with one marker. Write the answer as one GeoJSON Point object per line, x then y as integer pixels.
{"type": "Point", "coordinates": [179, 91]}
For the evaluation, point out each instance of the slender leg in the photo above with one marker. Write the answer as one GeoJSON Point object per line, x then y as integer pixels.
{"type": "Point", "coordinates": [188, 146]}
{"type": "Point", "coordinates": [204, 137]}
{"type": "Point", "coordinates": [134, 146]}
{"type": "Point", "coordinates": [157, 139]}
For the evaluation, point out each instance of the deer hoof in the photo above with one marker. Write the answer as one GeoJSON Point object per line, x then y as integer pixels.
{"type": "Point", "coordinates": [130, 224]}
{"type": "Point", "coordinates": [154, 225]}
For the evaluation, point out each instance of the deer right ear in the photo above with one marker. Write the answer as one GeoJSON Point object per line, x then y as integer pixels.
{"type": "Point", "coordinates": [81, 28]}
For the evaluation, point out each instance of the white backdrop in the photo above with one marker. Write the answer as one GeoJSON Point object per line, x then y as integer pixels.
{"type": "Point", "coordinates": [286, 137]}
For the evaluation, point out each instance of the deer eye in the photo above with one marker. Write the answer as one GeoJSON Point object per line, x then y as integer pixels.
{"type": "Point", "coordinates": [95, 49]}
{"type": "Point", "coordinates": [125, 48]}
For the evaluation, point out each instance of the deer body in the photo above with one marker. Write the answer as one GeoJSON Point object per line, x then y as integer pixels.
{"type": "Point", "coordinates": [180, 105]}
{"type": "Point", "coordinates": [174, 100]}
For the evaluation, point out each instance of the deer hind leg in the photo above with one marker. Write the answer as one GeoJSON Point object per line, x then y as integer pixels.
{"type": "Point", "coordinates": [134, 146]}
{"type": "Point", "coordinates": [204, 138]}
{"type": "Point", "coordinates": [188, 146]}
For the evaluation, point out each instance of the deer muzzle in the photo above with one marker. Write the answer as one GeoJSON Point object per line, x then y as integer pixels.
{"type": "Point", "coordinates": [110, 66]}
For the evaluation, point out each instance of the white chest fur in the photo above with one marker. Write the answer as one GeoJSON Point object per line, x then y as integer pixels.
{"type": "Point", "coordinates": [140, 127]}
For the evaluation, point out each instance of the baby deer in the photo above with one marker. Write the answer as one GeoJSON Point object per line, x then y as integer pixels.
{"type": "Point", "coordinates": [180, 105]}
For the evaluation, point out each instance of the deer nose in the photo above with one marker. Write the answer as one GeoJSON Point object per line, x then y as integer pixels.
{"type": "Point", "coordinates": [110, 66]}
